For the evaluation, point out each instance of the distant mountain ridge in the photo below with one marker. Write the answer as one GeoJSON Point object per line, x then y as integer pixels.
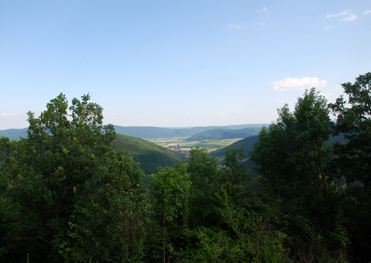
{"type": "Point", "coordinates": [14, 134]}
{"type": "Point", "coordinates": [149, 132]}
{"type": "Point", "coordinates": [145, 132]}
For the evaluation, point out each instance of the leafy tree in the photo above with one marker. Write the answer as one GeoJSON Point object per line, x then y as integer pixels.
{"type": "Point", "coordinates": [293, 164]}
{"type": "Point", "coordinates": [204, 173]}
{"type": "Point", "coordinates": [69, 187]}
{"type": "Point", "coordinates": [241, 236]}
{"type": "Point", "coordinates": [171, 191]}
{"type": "Point", "coordinates": [354, 121]}
{"type": "Point", "coordinates": [291, 152]}
{"type": "Point", "coordinates": [353, 160]}
{"type": "Point", "coordinates": [235, 170]}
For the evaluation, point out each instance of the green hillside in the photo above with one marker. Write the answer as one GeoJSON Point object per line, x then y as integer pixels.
{"type": "Point", "coordinates": [247, 145]}
{"type": "Point", "coordinates": [222, 134]}
{"type": "Point", "coordinates": [149, 155]}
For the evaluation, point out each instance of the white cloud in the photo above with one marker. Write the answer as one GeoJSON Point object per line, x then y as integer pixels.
{"type": "Point", "coordinates": [367, 12]}
{"type": "Point", "coordinates": [328, 27]}
{"type": "Point", "coordinates": [8, 114]}
{"type": "Point", "coordinates": [264, 9]}
{"type": "Point", "coordinates": [295, 83]}
{"type": "Point", "coordinates": [351, 17]}
{"type": "Point", "coordinates": [235, 26]}
{"type": "Point", "coordinates": [347, 15]}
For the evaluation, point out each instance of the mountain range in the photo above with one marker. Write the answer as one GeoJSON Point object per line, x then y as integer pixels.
{"type": "Point", "coordinates": [147, 132]}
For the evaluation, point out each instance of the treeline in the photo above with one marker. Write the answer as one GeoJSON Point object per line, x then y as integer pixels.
{"type": "Point", "coordinates": [67, 196]}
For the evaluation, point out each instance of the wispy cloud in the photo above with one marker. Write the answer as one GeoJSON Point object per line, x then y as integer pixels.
{"type": "Point", "coordinates": [8, 114]}
{"type": "Point", "coordinates": [264, 9]}
{"type": "Point", "coordinates": [234, 26]}
{"type": "Point", "coordinates": [328, 27]}
{"type": "Point", "coordinates": [297, 84]}
{"type": "Point", "coordinates": [367, 12]}
{"type": "Point", "coordinates": [346, 15]}
{"type": "Point", "coordinates": [221, 114]}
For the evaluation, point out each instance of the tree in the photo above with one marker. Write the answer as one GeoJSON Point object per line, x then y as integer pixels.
{"type": "Point", "coordinates": [353, 160]}
{"type": "Point", "coordinates": [354, 121]}
{"type": "Point", "coordinates": [293, 162]}
{"type": "Point", "coordinates": [291, 153]}
{"type": "Point", "coordinates": [203, 171]}
{"type": "Point", "coordinates": [60, 202]}
{"type": "Point", "coordinates": [171, 191]}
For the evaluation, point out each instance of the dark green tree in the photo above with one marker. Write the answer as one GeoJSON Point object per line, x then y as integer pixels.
{"type": "Point", "coordinates": [293, 161]}
{"type": "Point", "coordinates": [291, 153]}
{"type": "Point", "coordinates": [64, 199]}
{"type": "Point", "coordinates": [353, 160]}
{"type": "Point", "coordinates": [171, 189]}
{"type": "Point", "coordinates": [204, 175]}
{"type": "Point", "coordinates": [354, 122]}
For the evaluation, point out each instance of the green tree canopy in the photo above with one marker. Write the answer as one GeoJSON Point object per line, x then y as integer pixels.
{"type": "Point", "coordinates": [354, 121]}
{"type": "Point", "coordinates": [64, 183]}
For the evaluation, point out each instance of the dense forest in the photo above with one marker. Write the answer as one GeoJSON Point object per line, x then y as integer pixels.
{"type": "Point", "coordinates": [68, 195]}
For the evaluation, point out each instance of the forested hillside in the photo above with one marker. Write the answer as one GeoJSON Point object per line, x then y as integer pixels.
{"type": "Point", "coordinates": [14, 134]}
{"type": "Point", "coordinates": [221, 134]}
{"type": "Point", "coordinates": [246, 144]}
{"type": "Point", "coordinates": [150, 156]}
{"type": "Point", "coordinates": [68, 195]}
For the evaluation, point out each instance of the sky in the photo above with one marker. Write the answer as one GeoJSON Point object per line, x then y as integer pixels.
{"type": "Point", "coordinates": [177, 63]}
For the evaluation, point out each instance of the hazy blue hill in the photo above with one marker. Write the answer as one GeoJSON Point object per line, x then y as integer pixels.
{"type": "Point", "coordinates": [14, 134]}
{"type": "Point", "coordinates": [149, 155]}
{"type": "Point", "coordinates": [154, 132]}
{"type": "Point", "coordinates": [221, 134]}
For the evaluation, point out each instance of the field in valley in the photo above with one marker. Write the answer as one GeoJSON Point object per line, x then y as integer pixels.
{"type": "Point", "coordinates": [180, 145]}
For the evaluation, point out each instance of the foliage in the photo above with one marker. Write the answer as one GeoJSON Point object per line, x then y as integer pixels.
{"type": "Point", "coordinates": [293, 163]}
{"type": "Point", "coordinates": [354, 121]}
{"type": "Point", "coordinates": [61, 195]}
{"type": "Point", "coordinates": [353, 159]}
{"type": "Point", "coordinates": [68, 193]}
{"type": "Point", "coordinates": [170, 190]}
{"type": "Point", "coordinates": [203, 171]}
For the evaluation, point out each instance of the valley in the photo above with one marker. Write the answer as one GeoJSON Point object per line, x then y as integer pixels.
{"type": "Point", "coordinates": [181, 145]}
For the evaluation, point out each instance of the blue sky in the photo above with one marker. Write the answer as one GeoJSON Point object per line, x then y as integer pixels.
{"type": "Point", "coordinates": [178, 63]}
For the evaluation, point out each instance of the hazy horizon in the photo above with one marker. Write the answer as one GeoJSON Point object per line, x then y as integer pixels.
{"type": "Point", "coordinates": [178, 64]}
{"type": "Point", "coordinates": [178, 127]}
